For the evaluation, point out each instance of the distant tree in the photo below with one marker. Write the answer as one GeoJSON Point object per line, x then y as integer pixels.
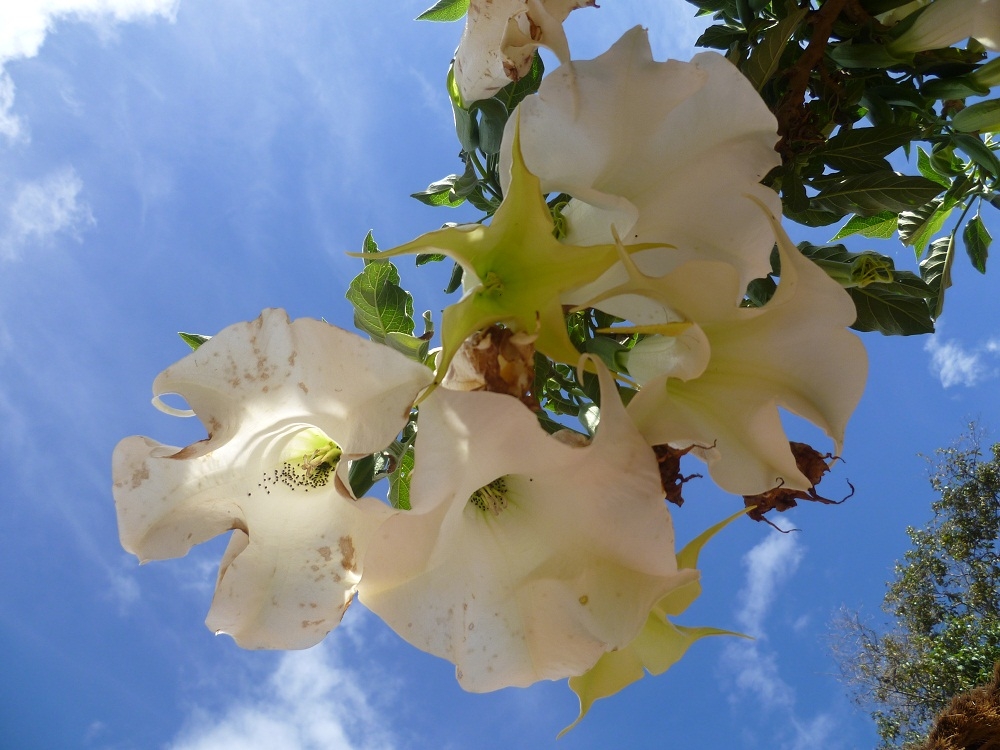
{"type": "Point", "coordinates": [945, 602]}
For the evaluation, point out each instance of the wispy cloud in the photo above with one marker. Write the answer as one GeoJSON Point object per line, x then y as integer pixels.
{"type": "Point", "coordinates": [768, 566]}
{"type": "Point", "coordinates": [41, 209]}
{"type": "Point", "coordinates": [954, 364]}
{"type": "Point", "coordinates": [751, 668]}
{"type": "Point", "coordinates": [310, 702]}
{"type": "Point", "coordinates": [24, 26]}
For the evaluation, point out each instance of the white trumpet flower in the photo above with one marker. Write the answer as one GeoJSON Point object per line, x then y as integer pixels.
{"type": "Point", "coordinates": [500, 40]}
{"type": "Point", "coordinates": [285, 404]}
{"type": "Point", "coordinates": [665, 152]}
{"type": "Point", "coordinates": [523, 558]}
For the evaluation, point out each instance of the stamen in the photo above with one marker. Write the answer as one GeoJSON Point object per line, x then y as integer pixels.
{"type": "Point", "coordinates": [312, 471]}
{"type": "Point", "coordinates": [491, 497]}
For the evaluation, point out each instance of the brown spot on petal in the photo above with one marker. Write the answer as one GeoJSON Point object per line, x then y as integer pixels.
{"type": "Point", "coordinates": [326, 553]}
{"type": "Point", "coordinates": [312, 623]}
{"type": "Point", "coordinates": [291, 359]}
{"type": "Point", "coordinates": [188, 452]}
{"type": "Point", "coordinates": [140, 475]}
{"type": "Point", "coordinates": [304, 387]}
{"type": "Point", "coordinates": [584, 599]}
{"type": "Point", "coordinates": [347, 553]}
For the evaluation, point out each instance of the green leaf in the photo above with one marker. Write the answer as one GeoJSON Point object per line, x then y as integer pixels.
{"type": "Point", "coordinates": [977, 242]}
{"type": "Point", "coordinates": [399, 481]}
{"type": "Point", "coordinates": [369, 247]}
{"type": "Point", "coordinates": [413, 347]}
{"type": "Point", "coordinates": [381, 306]}
{"type": "Point", "coordinates": [455, 281]}
{"type": "Point", "coordinates": [981, 117]}
{"type": "Point", "coordinates": [864, 149]}
{"type": "Point", "coordinates": [935, 269]}
{"type": "Point", "coordinates": [849, 55]}
{"type": "Point", "coordinates": [425, 258]}
{"type": "Point", "coordinates": [958, 87]}
{"type": "Point", "coordinates": [760, 291]}
{"type": "Point", "coordinates": [815, 216]}
{"type": "Point", "coordinates": [881, 226]}
{"type": "Point", "coordinates": [440, 193]}
{"type": "Point", "coordinates": [361, 475]}
{"type": "Point", "coordinates": [720, 37]}
{"type": "Point", "coordinates": [445, 10]}
{"type": "Point", "coordinates": [466, 128]}
{"type": "Point", "coordinates": [978, 151]}
{"type": "Point", "coordinates": [919, 226]}
{"type": "Point", "coordinates": [873, 193]}
{"type": "Point", "coordinates": [881, 308]}
{"type": "Point", "coordinates": [766, 56]}
{"type": "Point", "coordinates": [926, 167]}
{"type": "Point", "coordinates": [194, 340]}
{"type": "Point", "coordinates": [514, 92]}
{"type": "Point", "coordinates": [493, 117]}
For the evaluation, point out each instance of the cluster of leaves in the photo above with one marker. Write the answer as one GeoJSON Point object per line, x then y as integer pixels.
{"type": "Point", "coordinates": [845, 101]}
{"type": "Point", "coordinates": [945, 602]}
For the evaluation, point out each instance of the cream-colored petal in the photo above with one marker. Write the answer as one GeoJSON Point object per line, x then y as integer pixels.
{"type": "Point", "coordinates": [947, 22]}
{"type": "Point", "coordinates": [281, 410]}
{"type": "Point", "coordinates": [666, 152]}
{"type": "Point", "coordinates": [684, 356]}
{"type": "Point", "coordinates": [290, 584]}
{"type": "Point", "coordinates": [660, 644]}
{"type": "Point", "coordinates": [794, 352]}
{"type": "Point", "coordinates": [271, 369]}
{"type": "Point", "coordinates": [566, 571]}
{"type": "Point", "coordinates": [500, 39]}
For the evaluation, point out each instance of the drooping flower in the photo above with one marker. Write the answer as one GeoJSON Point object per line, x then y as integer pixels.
{"type": "Point", "coordinates": [500, 39]}
{"type": "Point", "coordinates": [660, 644]}
{"type": "Point", "coordinates": [946, 22]}
{"type": "Point", "coordinates": [285, 404]}
{"type": "Point", "coordinates": [666, 152]}
{"type": "Point", "coordinates": [723, 377]}
{"type": "Point", "coordinates": [515, 271]}
{"type": "Point", "coordinates": [524, 557]}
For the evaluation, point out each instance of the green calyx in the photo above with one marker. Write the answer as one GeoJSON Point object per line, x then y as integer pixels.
{"type": "Point", "coordinates": [520, 267]}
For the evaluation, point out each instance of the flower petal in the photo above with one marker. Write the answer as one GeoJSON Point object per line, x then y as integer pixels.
{"type": "Point", "coordinates": [567, 570]}
{"type": "Point", "coordinates": [795, 352]}
{"type": "Point", "coordinates": [946, 22]}
{"type": "Point", "coordinates": [270, 393]}
{"type": "Point", "coordinates": [500, 39]}
{"type": "Point", "coordinates": [660, 644]}
{"type": "Point", "coordinates": [666, 152]}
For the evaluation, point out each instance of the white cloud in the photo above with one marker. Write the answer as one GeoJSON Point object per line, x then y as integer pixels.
{"type": "Point", "coordinates": [768, 565]}
{"type": "Point", "coordinates": [753, 670]}
{"type": "Point", "coordinates": [812, 734]}
{"type": "Point", "coordinates": [24, 26]}
{"type": "Point", "coordinates": [752, 673]}
{"type": "Point", "coordinates": [953, 364]}
{"type": "Point", "coordinates": [310, 702]}
{"type": "Point", "coordinates": [41, 209]}
{"type": "Point", "coordinates": [755, 673]}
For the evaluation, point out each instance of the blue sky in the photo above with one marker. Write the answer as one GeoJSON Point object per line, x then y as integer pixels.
{"type": "Point", "coordinates": [182, 165]}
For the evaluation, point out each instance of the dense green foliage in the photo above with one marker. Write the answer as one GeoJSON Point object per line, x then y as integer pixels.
{"type": "Point", "coordinates": [944, 601]}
